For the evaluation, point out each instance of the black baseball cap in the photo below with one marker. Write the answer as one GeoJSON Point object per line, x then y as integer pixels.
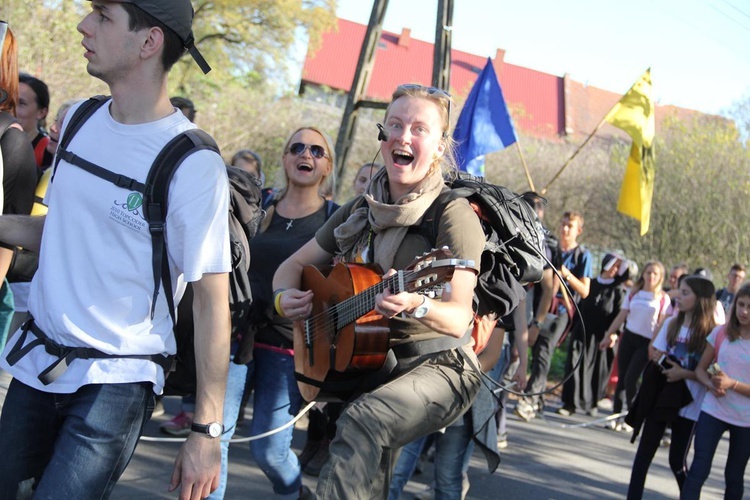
{"type": "Point", "coordinates": [176, 15]}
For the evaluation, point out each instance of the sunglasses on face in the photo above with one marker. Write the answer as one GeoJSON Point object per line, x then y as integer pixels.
{"type": "Point", "coordinates": [430, 91]}
{"type": "Point", "coordinates": [298, 148]}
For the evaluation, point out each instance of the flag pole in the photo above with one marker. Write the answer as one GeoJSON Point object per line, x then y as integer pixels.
{"type": "Point", "coordinates": [525, 167]}
{"type": "Point", "coordinates": [601, 123]}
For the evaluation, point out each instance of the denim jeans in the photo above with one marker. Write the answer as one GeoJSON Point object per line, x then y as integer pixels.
{"type": "Point", "coordinates": [235, 388]}
{"type": "Point", "coordinates": [453, 449]}
{"type": "Point", "coordinates": [73, 445]}
{"type": "Point", "coordinates": [276, 401]}
{"type": "Point", "coordinates": [405, 467]}
{"type": "Point", "coordinates": [707, 435]}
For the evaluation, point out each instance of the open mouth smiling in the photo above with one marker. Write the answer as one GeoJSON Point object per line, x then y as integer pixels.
{"type": "Point", "coordinates": [304, 167]}
{"type": "Point", "coordinates": [402, 157]}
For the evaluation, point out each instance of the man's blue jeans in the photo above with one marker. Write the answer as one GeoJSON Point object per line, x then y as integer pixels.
{"type": "Point", "coordinates": [236, 378]}
{"type": "Point", "coordinates": [276, 401]}
{"type": "Point", "coordinates": [708, 432]}
{"type": "Point", "coordinates": [73, 445]}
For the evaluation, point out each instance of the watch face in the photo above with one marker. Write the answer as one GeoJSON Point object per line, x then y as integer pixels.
{"type": "Point", "coordinates": [215, 429]}
{"type": "Point", "coordinates": [421, 312]}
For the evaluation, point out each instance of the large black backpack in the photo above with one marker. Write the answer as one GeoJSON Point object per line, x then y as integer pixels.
{"type": "Point", "coordinates": [244, 217]}
{"type": "Point", "coordinates": [514, 240]}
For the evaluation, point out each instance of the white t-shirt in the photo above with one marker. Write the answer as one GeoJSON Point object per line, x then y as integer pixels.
{"type": "Point", "coordinates": [734, 360]}
{"type": "Point", "coordinates": [643, 312]}
{"type": "Point", "coordinates": [94, 286]}
{"type": "Point", "coordinates": [688, 361]}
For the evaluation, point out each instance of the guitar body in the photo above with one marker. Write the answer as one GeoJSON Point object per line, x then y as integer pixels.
{"type": "Point", "coordinates": [326, 356]}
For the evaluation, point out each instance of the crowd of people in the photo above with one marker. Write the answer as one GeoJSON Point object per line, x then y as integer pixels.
{"type": "Point", "coordinates": [89, 340]}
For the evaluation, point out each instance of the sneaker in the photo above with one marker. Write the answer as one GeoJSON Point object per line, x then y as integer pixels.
{"type": "Point", "coordinates": [179, 425]}
{"type": "Point", "coordinates": [565, 411]}
{"type": "Point", "coordinates": [593, 412]}
{"type": "Point", "coordinates": [502, 442]}
{"type": "Point", "coordinates": [158, 408]}
{"type": "Point", "coordinates": [316, 463]}
{"type": "Point", "coordinates": [525, 411]}
{"type": "Point", "coordinates": [605, 404]}
{"type": "Point", "coordinates": [311, 447]}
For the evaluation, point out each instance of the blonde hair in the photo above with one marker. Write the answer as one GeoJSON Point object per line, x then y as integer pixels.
{"type": "Point", "coordinates": [638, 286]}
{"type": "Point", "coordinates": [328, 184]}
{"type": "Point", "coordinates": [447, 162]}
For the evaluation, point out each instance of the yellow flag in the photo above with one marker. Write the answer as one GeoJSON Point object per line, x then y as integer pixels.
{"type": "Point", "coordinates": [634, 114]}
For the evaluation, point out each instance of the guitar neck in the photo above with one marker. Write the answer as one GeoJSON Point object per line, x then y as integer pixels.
{"type": "Point", "coordinates": [350, 310]}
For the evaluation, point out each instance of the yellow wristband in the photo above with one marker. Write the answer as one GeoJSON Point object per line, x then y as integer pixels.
{"type": "Point", "coordinates": [277, 301]}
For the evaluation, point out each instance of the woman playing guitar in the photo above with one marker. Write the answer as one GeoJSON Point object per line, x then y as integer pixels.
{"type": "Point", "coordinates": [434, 381]}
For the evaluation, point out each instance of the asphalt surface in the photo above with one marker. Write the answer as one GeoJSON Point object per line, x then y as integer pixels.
{"type": "Point", "coordinates": [544, 460]}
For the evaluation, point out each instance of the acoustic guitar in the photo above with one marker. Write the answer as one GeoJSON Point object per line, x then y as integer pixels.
{"type": "Point", "coordinates": [344, 337]}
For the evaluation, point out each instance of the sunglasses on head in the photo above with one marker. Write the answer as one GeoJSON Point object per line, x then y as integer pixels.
{"type": "Point", "coordinates": [430, 91]}
{"type": "Point", "coordinates": [317, 151]}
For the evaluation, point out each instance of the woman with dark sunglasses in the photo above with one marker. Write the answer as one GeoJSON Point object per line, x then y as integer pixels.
{"type": "Point", "coordinates": [293, 216]}
{"type": "Point", "coordinates": [434, 380]}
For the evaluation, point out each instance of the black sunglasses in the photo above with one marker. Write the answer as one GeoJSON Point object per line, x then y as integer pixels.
{"type": "Point", "coordinates": [430, 91]}
{"type": "Point", "coordinates": [298, 148]}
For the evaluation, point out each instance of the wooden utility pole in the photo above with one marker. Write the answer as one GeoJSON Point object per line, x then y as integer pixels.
{"type": "Point", "coordinates": [359, 85]}
{"type": "Point", "coordinates": [441, 62]}
{"type": "Point", "coordinates": [355, 99]}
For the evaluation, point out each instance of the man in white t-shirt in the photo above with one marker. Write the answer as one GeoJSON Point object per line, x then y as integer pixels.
{"type": "Point", "coordinates": [70, 424]}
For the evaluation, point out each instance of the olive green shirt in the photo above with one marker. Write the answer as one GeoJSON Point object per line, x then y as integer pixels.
{"type": "Point", "coordinates": [458, 229]}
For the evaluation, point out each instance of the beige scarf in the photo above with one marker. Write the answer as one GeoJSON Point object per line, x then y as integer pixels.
{"type": "Point", "coordinates": [389, 222]}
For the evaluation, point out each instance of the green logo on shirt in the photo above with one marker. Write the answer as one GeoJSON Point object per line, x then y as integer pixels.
{"type": "Point", "coordinates": [135, 200]}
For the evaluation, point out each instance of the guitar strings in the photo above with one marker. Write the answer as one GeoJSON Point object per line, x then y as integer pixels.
{"type": "Point", "coordinates": [347, 311]}
{"type": "Point", "coordinates": [350, 309]}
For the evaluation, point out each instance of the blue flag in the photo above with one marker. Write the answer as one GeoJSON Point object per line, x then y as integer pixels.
{"type": "Point", "coordinates": [484, 125]}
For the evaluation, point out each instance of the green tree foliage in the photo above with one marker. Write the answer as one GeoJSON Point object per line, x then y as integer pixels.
{"type": "Point", "coordinates": [703, 166]}
{"type": "Point", "coordinates": [698, 214]}
{"type": "Point", "coordinates": [249, 41]}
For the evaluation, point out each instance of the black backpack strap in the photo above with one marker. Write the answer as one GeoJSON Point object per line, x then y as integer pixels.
{"type": "Point", "coordinates": [6, 120]}
{"type": "Point", "coordinates": [82, 113]}
{"type": "Point", "coordinates": [155, 203]}
{"type": "Point", "coordinates": [118, 180]}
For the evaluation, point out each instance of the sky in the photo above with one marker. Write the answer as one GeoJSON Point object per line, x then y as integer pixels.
{"type": "Point", "coordinates": [698, 50]}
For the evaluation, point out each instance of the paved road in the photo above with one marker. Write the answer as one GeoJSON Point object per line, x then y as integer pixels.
{"type": "Point", "coordinates": [543, 461]}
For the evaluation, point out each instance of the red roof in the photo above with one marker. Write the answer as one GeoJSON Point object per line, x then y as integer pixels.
{"type": "Point", "coordinates": [534, 98]}
{"type": "Point", "coordinates": [541, 104]}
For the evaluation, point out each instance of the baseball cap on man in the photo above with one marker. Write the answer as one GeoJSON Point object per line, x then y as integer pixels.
{"type": "Point", "coordinates": [176, 15]}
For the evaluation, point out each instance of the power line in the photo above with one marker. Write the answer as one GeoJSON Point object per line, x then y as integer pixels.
{"type": "Point", "coordinates": [736, 8]}
{"type": "Point", "coordinates": [734, 20]}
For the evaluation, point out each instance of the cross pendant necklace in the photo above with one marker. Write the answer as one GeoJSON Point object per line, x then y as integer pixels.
{"type": "Point", "coordinates": [289, 224]}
